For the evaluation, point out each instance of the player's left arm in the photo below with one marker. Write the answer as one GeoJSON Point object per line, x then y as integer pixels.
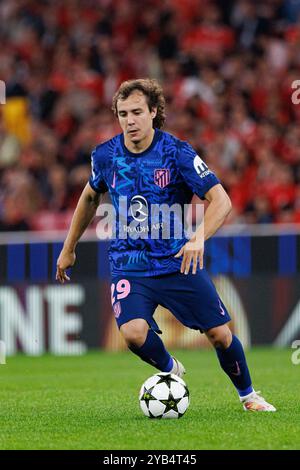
{"type": "Point", "coordinates": [215, 214]}
{"type": "Point", "coordinates": [218, 209]}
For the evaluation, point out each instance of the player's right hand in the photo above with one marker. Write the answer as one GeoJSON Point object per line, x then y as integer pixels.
{"type": "Point", "coordinates": [65, 260]}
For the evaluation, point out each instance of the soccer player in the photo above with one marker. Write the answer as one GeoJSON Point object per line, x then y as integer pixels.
{"type": "Point", "coordinates": [147, 166]}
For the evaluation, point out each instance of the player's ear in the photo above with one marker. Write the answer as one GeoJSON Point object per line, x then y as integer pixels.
{"type": "Point", "coordinates": [153, 112]}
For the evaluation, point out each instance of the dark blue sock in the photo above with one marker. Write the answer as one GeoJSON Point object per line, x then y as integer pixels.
{"type": "Point", "coordinates": [154, 352]}
{"type": "Point", "coordinates": [233, 362]}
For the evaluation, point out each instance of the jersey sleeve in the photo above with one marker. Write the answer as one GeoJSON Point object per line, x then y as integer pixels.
{"type": "Point", "coordinates": [96, 180]}
{"type": "Point", "coordinates": [194, 171]}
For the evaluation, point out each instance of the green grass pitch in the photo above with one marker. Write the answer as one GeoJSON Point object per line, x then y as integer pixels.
{"type": "Point", "coordinates": [91, 402]}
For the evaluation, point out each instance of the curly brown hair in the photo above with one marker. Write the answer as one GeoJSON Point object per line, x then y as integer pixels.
{"type": "Point", "coordinates": [153, 93]}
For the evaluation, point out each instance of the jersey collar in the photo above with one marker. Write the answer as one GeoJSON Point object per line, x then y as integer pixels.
{"type": "Point", "coordinates": [148, 149]}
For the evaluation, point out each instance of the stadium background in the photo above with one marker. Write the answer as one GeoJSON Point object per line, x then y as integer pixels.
{"type": "Point", "coordinates": [227, 69]}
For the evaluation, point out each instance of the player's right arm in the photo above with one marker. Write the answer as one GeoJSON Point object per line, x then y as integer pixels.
{"type": "Point", "coordinates": [84, 213]}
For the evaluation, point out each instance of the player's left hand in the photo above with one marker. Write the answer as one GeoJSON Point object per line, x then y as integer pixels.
{"type": "Point", "coordinates": [191, 251]}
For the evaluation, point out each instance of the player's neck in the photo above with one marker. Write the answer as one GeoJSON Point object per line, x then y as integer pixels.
{"type": "Point", "coordinates": [142, 145]}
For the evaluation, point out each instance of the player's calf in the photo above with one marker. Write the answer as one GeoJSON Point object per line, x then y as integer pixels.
{"type": "Point", "coordinates": [220, 336]}
{"type": "Point", "coordinates": [147, 345]}
{"type": "Point", "coordinates": [135, 332]}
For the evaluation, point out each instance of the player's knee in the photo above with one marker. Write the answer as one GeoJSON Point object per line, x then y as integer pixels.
{"type": "Point", "coordinates": [220, 337]}
{"type": "Point", "coordinates": [135, 332]}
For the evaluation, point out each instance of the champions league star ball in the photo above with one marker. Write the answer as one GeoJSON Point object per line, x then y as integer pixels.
{"type": "Point", "coordinates": [164, 395]}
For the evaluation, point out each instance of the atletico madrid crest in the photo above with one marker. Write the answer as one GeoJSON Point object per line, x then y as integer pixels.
{"type": "Point", "coordinates": [162, 177]}
{"type": "Point", "coordinates": [117, 309]}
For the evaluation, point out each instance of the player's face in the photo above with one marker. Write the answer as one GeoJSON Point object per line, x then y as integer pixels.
{"type": "Point", "coordinates": [135, 118]}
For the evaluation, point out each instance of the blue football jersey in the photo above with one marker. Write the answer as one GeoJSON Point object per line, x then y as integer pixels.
{"type": "Point", "coordinates": [144, 188]}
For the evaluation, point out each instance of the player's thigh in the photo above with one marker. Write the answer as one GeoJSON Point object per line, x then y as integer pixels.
{"type": "Point", "coordinates": [131, 300]}
{"type": "Point", "coordinates": [194, 301]}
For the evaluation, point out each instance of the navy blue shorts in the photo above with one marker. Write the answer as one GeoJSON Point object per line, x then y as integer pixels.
{"type": "Point", "coordinates": [191, 298]}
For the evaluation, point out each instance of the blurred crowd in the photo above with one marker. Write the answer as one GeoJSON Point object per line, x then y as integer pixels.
{"type": "Point", "coordinates": [226, 67]}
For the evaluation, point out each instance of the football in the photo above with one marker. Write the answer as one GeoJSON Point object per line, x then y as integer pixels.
{"type": "Point", "coordinates": [164, 395]}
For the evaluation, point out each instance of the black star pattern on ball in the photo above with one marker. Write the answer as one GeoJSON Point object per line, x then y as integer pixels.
{"type": "Point", "coordinates": [147, 396]}
{"type": "Point", "coordinates": [154, 417]}
{"type": "Point", "coordinates": [171, 403]}
{"type": "Point", "coordinates": [166, 379]}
